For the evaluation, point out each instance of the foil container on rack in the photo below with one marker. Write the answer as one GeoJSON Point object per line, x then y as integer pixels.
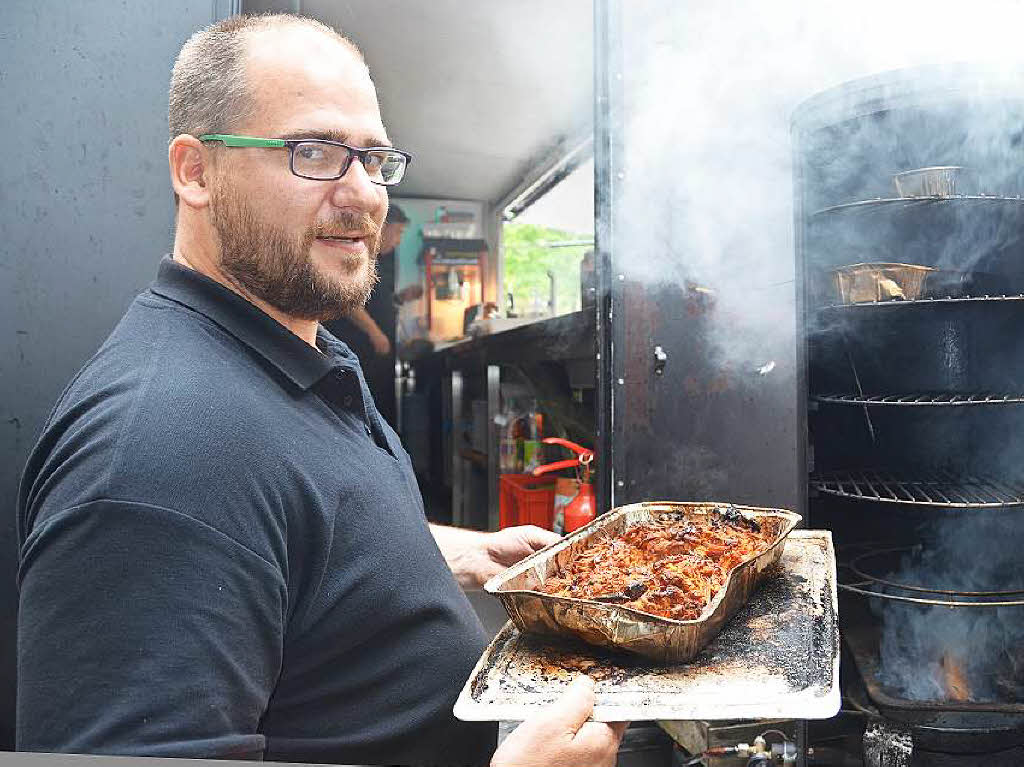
{"type": "Point", "coordinates": [623, 628]}
{"type": "Point", "coordinates": [862, 283]}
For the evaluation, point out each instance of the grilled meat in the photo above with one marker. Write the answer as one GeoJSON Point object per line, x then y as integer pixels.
{"type": "Point", "coordinates": [670, 567]}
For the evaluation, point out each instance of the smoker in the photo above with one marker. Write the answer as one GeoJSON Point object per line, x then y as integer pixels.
{"type": "Point", "coordinates": [910, 272]}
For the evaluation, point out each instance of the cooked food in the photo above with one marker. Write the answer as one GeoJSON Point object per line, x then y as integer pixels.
{"type": "Point", "coordinates": [670, 567]}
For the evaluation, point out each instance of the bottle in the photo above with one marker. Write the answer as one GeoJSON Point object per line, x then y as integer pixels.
{"type": "Point", "coordinates": [534, 433]}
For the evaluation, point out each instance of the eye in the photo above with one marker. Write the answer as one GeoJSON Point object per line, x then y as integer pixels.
{"type": "Point", "coordinates": [373, 162]}
{"type": "Point", "coordinates": [313, 152]}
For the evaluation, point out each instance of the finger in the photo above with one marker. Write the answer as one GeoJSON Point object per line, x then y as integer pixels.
{"type": "Point", "coordinates": [537, 537]}
{"type": "Point", "coordinates": [570, 711]}
{"type": "Point", "coordinates": [619, 728]}
{"type": "Point", "coordinates": [598, 742]}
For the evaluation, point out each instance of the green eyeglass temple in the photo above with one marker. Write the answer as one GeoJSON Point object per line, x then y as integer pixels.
{"type": "Point", "coordinates": [228, 140]}
{"type": "Point", "coordinates": [397, 160]}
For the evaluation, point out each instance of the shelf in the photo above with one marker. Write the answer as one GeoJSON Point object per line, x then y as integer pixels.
{"type": "Point", "coordinates": [921, 400]}
{"type": "Point", "coordinates": [921, 302]}
{"type": "Point", "coordinates": [899, 204]}
{"type": "Point", "coordinates": [938, 489]}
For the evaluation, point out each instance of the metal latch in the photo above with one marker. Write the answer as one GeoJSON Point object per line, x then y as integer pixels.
{"type": "Point", "coordinates": [660, 358]}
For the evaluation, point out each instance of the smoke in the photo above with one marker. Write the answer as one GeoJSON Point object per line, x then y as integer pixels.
{"type": "Point", "coordinates": [708, 93]}
{"type": "Point", "coordinates": [985, 645]}
{"type": "Point", "coordinates": [706, 199]}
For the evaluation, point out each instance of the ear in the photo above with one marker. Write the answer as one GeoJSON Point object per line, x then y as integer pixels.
{"type": "Point", "coordinates": [190, 171]}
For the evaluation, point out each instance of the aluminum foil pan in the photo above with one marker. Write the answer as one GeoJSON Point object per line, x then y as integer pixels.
{"type": "Point", "coordinates": [622, 628]}
{"type": "Point", "coordinates": [936, 181]}
{"type": "Point", "coordinates": [777, 658]}
{"type": "Point", "coordinates": [862, 283]}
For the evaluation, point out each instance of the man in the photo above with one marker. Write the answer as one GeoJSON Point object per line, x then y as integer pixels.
{"type": "Point", "coordinates": [223, 551]}
{"type": "Point", "coordinates": [370, 331]}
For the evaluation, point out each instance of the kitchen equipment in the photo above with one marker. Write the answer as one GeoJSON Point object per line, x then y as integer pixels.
{"type": "Point", "coordinates": [579, 511]}
{"type": "Point", "coordinates": [622, 628]}
{"type": "Point", "coordinates": [940, 374]}
{"type": "Point", "coordinates": [935, 181]}
{"type": "Point", "coordinates": [778, 657]}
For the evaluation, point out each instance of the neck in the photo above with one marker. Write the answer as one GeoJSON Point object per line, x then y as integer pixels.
{"type": "Point", "coordinates": [203, 259]}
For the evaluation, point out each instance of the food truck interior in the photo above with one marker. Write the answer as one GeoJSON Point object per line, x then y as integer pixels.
{"type": "Point", "coordinates": [767, 254]}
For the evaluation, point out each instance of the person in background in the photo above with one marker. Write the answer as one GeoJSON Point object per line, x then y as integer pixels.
{"type": "Point", "coordinates": [223, 550]}
{"type": "Point", "coordinates": [370, 331]}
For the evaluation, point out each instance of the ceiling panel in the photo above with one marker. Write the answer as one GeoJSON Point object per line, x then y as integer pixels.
{"type": "Point", "coordinates": [479, 91]}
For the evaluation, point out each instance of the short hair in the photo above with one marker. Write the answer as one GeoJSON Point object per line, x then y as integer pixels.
{"type": "Point", "coordinates": [209, 88]}
{"type": "Point", "coordinates": [396, 216]}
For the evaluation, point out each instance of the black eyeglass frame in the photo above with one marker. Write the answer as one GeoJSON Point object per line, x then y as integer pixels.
{"type": "Point", "coordinates": [230, 140]}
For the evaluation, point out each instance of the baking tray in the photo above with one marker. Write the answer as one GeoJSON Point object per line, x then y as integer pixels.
{"type": "Point", "coordinates": [619, 627]}
{"type": "Point", "coordinates": [777, 658]}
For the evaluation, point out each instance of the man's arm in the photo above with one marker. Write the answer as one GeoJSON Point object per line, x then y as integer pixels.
{"type": "Point", "coordinates": [474, 556]}
{"type": "Point", "coordinates": [362, 320]}
{"type": "Point", "coordinates": [145, 632]}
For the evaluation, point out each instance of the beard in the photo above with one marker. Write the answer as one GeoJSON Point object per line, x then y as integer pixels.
{"type": "Point", "coordinates": [276, 267]}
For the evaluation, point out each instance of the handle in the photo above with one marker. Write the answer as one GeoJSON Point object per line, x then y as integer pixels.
{"type": "Point", "coordinates": [556, 466]}
{"type": "Point", "coordinates": [582, 461]}
{"type": "Point", "coordinates": [578, 449]}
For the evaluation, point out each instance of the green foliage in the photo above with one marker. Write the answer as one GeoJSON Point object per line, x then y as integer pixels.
{"type": "Point", "coordinates": [527, 262]}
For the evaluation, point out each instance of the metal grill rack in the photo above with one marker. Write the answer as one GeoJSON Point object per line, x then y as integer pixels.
{"type": "Point", "coordinates": [915, 400]}
{"type": "Point", "coordinates": [922, 302]}
{"type": "Point", "coordinates": [861, 575]}
{"type": "Point", "coordinates": [899, 204]}
{"type": "Point", "coordinates": [938, 489]}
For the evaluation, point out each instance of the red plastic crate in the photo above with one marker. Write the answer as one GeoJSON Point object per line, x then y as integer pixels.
{"type": "Point", "coordinates": [524, 499]}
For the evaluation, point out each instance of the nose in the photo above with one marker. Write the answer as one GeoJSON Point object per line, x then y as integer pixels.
{"type": "Point", "coordinates": [355, 190]}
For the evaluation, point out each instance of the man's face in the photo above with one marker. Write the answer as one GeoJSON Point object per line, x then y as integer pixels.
{"type": "Point", "coordinates": [278, 233]}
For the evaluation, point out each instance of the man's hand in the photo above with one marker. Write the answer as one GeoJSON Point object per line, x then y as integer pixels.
{"type": "Point", "coordinates": [380, 342]}
{"type": "Point", "coordinates": [410, 293]}
{"type": "Point", "coordinates": [474, 557]}
{"type": "Point", "coordinates": [561, 736]}
{"type": "Point", "coordinates": [506, 547]}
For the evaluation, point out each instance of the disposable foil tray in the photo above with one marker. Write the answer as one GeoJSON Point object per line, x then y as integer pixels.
{"type": "Point", "coordinates": [620, 627]}
{"type": "Point", "coordinates": [777, 658]}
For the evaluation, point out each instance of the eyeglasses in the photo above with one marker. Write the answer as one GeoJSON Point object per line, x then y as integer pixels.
{"type": "Point", "coordinates": [323, 160]}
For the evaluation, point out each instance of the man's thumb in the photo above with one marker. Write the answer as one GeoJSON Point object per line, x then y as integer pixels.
{"type": "Point", "coordinates": [575, 706]}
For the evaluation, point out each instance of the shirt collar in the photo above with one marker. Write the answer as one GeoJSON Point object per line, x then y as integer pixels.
{"type": "Point", "coordinates": [296, 359]}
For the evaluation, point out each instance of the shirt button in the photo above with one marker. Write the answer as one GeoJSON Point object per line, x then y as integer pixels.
{"type": "Point", "coordinates": [368, 429]}
{"type": "Point", "coordinates": [348, 400]}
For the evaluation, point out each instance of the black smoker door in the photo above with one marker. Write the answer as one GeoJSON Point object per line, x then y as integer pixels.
{"type": "Point", "coordinates": [699, 373]}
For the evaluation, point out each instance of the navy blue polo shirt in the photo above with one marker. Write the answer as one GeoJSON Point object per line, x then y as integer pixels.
{"type": "Point", "coordinates": [224, 554]}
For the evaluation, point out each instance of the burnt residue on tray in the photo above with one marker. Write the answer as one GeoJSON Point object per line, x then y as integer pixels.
{"type": "Point", "coordinates": [769, 632]}
{"type": "Point", "coordinates": [777, 657]}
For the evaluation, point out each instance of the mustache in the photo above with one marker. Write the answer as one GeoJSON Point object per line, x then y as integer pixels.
{"type": "Point", "coordinates": [347, 223]}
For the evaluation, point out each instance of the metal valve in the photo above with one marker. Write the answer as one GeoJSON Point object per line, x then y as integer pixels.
{"type": "Point", "coordinates": [757, 754]}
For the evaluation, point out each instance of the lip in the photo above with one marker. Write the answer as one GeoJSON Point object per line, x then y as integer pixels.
{"type": "Point", "coordinates": [355, 245]}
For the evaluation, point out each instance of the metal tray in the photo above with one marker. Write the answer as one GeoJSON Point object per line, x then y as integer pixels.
{"type": "Point", "coordinates": [624, 628]}
{"type": "Point", "coordinates": [778, 658]}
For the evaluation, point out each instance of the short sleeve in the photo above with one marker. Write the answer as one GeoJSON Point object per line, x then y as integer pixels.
{"type": "Point", "coordinates": [143, 631]}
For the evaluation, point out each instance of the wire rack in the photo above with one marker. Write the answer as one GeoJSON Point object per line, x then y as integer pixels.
{"type": "Point", "coordinates": [925, 399]}
{"type": "Point", "coordinates": [868, 575]}
{"type": "Point", "coordinates": [899, 204]}
{"type": "Point", "coordinates": [934, 489]}
{"type": "Point", "coordinates": [922, 302]}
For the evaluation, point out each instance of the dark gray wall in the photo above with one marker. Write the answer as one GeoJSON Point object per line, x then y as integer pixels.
{"type": "Point", "coordinates": [86, 210]}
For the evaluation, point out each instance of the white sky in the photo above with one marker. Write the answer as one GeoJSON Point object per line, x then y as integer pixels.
{"type": "Point", "coordinates": [569, 206]}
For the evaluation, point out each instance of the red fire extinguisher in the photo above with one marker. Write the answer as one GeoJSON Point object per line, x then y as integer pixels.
{"type": "Point", "coordinates": [582, 508]}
